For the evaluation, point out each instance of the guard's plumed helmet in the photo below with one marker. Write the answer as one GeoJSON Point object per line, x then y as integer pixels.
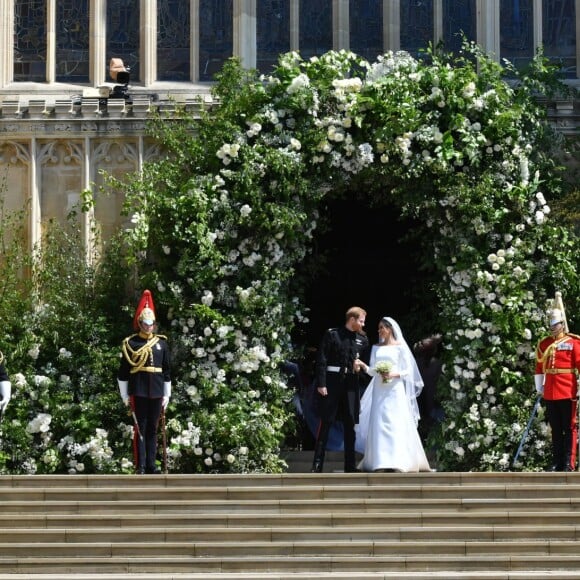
{"type": "Point", "coordinates": [145, 310]}
{"type": "Point", "coordinates": [555, 316]}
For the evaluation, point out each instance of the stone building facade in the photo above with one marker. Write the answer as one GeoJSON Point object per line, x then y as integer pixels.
{"type": "Point", "coordinates": [64, 120]}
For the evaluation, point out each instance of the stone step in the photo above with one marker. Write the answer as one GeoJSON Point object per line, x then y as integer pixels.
{"type": "Point", "coordinates": [352, 575]}
{"type": "Point", "coordinates": [92, 508]}
{"type": "Point", "coordinates": [121, 483]}
{"type": "Point", "coordinates": [375, 486]}
{"type": "Point", "coordinates": [386, 532]}
{"type": "Point", "coordinates": [291, 526]}
{"type": "Point", "coordinates": [333, 522]}
{"type": "Point", "coordinates": [56, 551]}
{"type": "Point", "coordinates": [252, 564]}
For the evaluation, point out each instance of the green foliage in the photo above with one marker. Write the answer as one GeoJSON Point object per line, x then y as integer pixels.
{"type": "Point", "coordinates": [61, 354]}
{"type": "Point", "coordinates": [226, 217]}
{"type": "Point", "coordinates": [222, 221]}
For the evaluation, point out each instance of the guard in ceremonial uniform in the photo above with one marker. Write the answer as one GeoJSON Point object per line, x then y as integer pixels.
{"type": "Point", "coordinates": [145, 382]}
{"type": "Point", "coordinates": [5, 387]}
{"type": "Point", "coordinates": [338, 384]}
{"type": "Point", "coordinates": [556, 378]}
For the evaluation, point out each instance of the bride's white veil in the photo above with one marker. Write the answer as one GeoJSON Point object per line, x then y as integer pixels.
{"type": "Point", "coordinates": [410, 373]}
{"type": "Point", "coordinates": [410, 376]}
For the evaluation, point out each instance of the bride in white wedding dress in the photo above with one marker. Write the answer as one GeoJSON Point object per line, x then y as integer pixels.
{"type": "Point", "coordinates": [387, 433]}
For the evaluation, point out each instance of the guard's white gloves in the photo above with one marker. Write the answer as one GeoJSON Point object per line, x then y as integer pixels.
{"type": "Point", "coordinates": [539, 380]}
{"type": "Point", "coordinates": [5, 393]}
{"type": "Point", "coordinates": [166, 394]}
{"type": "Point", "coordinates": [124, 390]}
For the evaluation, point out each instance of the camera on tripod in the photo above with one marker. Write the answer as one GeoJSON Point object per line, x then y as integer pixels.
{"type": "Point", "coordinates": [121, 75]}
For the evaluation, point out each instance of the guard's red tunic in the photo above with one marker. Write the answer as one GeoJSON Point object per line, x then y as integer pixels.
{"type": "Point", "coordinates": [558, 359]}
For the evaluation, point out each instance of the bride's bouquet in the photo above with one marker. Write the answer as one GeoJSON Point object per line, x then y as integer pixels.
{"type": "Point", "coordinates": [384, 367]}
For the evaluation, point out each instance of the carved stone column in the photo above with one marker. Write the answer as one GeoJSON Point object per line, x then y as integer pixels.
{"type": "Point", "coordinates": [341, 25]}
{"type": "Point", "coordinates": [51, 41]}
{"type": "Point", "coordinates": [391, 25]}
{"type": "Point", "coordinates": [6, 42]}
{"type": "Point", "coordinates": [98, 42]}
{"type": "Point", "coordinates": [148, 65]}
{"type": "Point", "coordinates": [245, 32]}
{"type": "Point", "coordinates": [488, 33]}
{"type": "Point", "coordinates": [194, 40]}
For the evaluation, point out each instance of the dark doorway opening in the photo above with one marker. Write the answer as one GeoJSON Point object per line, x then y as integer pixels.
{"type": "Point", "coordinates": [369, 259]}
{"type": "Point", "coordinates": [369, 262]}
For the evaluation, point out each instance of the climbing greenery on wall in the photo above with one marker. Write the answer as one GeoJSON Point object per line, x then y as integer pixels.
{"type": "Point", "coordinates": [226, 219]}
{"type": "Point", "coordinates": [222, 224]}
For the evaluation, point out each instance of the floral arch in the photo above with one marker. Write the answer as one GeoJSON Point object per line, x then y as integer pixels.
{"type": "Point", "coordinates": [225, 220]}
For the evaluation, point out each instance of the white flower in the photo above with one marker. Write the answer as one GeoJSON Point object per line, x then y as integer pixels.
{"type": "Point", "coordinates": [245, 210]}
{"type": "Point", "coordinates": [206, 299]}
{"type": "Point", "coordinates": [298, 83]}
{"type": "Point", "coordinates": [295, 144]}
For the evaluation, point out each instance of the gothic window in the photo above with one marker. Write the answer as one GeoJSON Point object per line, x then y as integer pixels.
{"type": "Point", "coordinates": [30, 40]}
{"type": "Point", "coordinates": [516, 31]}
{"type": "Point", "coordinates": [173, 44]}
{"type": "Point", "coordinates": [215, 36]}
{"type": "Point", "coordinates": [459, 19]}
{"type": "Point", "coordinates": [366, 28]}
{"type": "Point", "coordinates": [273, 32]}
{"type": "Point", "coordinates": [559, 33]}
{"type": "Point", "coordinates": [72, 41]}
{"type": "Point", "coordinates": [123, 33]}
{"type": "Point", "coordinates": [315, 27]}
{"type": "Point", "coordinates": [416, 26]}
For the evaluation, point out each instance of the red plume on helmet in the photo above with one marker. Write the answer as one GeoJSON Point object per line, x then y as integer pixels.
{"type": "Point", "coordinates": [145, 309]}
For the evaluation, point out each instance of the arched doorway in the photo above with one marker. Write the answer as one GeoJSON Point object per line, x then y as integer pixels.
{"type": "Point", "coordinates": [369, 260]}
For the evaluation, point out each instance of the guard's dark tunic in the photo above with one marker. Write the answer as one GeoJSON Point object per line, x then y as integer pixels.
{"type": "Point", "coordinates": [338, 350]}
{"type": "Point", "coordinates": [145, 364]}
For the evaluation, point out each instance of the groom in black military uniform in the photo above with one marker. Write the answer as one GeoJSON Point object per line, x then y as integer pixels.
{"type": "Point", "coordinates": [338, 384]}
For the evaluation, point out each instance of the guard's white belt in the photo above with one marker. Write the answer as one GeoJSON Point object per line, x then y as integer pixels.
{"type": "Point", "coordinates": [333, 369]}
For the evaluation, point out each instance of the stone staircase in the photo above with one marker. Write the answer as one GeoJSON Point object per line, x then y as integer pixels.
{"type": "Point", "coordinates": [468, 526]}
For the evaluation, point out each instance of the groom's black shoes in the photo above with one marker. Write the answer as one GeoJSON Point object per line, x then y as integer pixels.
{"type": "Point", "coordinates": [316, 466]}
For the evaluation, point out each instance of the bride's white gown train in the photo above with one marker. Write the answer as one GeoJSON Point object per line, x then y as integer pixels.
{"type": "Point", "coordinates": [387, 431]}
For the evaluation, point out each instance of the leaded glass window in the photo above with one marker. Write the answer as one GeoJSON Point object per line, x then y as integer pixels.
{"type": "Point", "coordinates": [123, 33]}
{"type": "Point", "coordinates": [72, 41]}
{"type": "Point", "coordinates": [366, 28]}
{"type": "Point", "coordinates": [459, 19]}
{"type": "Point", "coordinates": [30, 40]}
{"type": "Point", "coordinates": [315, 27]}
{"type": "Point", "coordinates": [559, 33]}
{"type": "Point", "coordinates": [516, 31]}
{"type": "Point", "coordinates": [173, 40]}
{"type": "Point", "coordinates": [273, 32]}
{"type": "Point", "coordinates": [416, 26]}
{"type": "Point", "coordinates": [215, 36]}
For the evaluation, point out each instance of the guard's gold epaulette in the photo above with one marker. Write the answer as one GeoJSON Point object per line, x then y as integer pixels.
{"type": "Point", "coordinates": [152, 336]}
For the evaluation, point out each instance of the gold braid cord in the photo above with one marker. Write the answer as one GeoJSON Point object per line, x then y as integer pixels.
{"type": "Point", "coordinates": [1, 357]}
{"type": "Point", "coordinates": [547, 357]}
{"type": "Point", "coordinates": [139, 358]}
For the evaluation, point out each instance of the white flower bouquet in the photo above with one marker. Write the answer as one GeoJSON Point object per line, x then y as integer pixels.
{"type": "Point", "coordinates": [384, 367]}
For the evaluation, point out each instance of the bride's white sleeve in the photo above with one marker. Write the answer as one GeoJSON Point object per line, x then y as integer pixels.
{"type": "Point", "coordinates": [362, 427]}
{"type": "Point", "coordinates": [372, 362]}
